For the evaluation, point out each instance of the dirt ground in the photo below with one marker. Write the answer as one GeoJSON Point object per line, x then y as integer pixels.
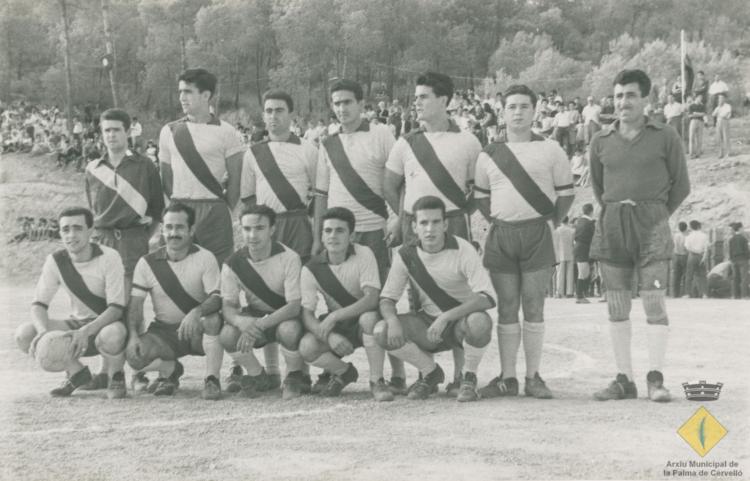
{"type": "Point", "coordinates": [88, 437]}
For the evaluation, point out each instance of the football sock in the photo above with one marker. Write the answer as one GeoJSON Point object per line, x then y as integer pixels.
{"type": "Point", "coordinates": [473, 356]}
{"type": "Point", "coordinates": [621, 333]}
{"type": "Point", "coordinates": [459, 361]}
{"type": "Point", "coordinates": [214, 355]}
{"type": "Point", "coordinates": [166, 368]}
{"type": "Point", "coordinates": [293, 360]}
{"type": "Point", "coordinates": [271, 355]}
{"type": "Point", "coordinates": [533, 340]}
{"type": "Point", "coordinates": [397, 367]}
{"type": "Point", "coordinates": [657, 335]}
{"type": "Point", "coordinates": [412, 354]}
{"type": "Point", "coordinates": [508, 341]}
{"type": "Point", "coordinates": [248, 361]}
{"type": "Point", "coordinates": [112, 364]}
{"type": "Point", "coordinates": [375, 356]}
{"type": "Point", "coordinates": [329, 362]}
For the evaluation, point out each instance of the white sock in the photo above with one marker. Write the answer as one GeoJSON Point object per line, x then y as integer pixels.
{"type": "Point", "coordinates": [397, 367]}
{"type": "Point", "coordinates": [214, 355]}
{"type": "Point", "coordinates": [328, 362]}
{"type": "Point", "coordinates": [375, 356]}
{"type": "Point", "coordinates": [533, 340]}
{"type": "Point", "coordinates": [248, 361]}
{"type": "Point", "coordinates": [621, 334]}
{"type": "Point", "coordinates": [293, 360]}
{"type": "Point", "coordinates": [112, 364]}
{"type": "Point", "coordinates": [657, 335]}
{"type": "Point", "coordinates": [508, 342]}
{"type": "Point", "coordinates": [271, 355]}
{"type": "Point", "coordinates": [412, 354]}
{"type": "Point", "coordinates": [473, 356]}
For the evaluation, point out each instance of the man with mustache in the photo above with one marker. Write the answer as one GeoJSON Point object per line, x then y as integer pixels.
{"type": "Point", "coordinates": [92, 276]}
{"type": "Point", "coordinates": [183, 282]}
{"type": "Point", "coordinates": [639, 176]}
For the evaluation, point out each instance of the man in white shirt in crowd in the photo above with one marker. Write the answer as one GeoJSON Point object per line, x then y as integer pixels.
{"type": "Point", "coordinates": [673, 113]}
{"type": "Point", "coordinates": [696, 244]}
{"type": "Point", "coordinates": [722, 113]}
{"type": "Point", "coordinates": [716, 88]}
{"type": "Point", "coordinates": [591, 122]}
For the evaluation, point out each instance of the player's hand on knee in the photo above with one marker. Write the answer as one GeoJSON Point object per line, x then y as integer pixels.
{"type": "Point", "coordinates": [340, 346]}
{"type": "Point", "coordinates": [435, 331]}
{"type": "Point", "coordinates": [323, 330]}
{"type": "Point", "coordinates": [245, 342]}
{"type": "Point", "coordinates": [135, 348]}
{"type": "Point", "coordinates": [34, 342]}
{"type": "Point", "coordinates": [190, 328]}
{"type": "Point", "coordinates": [79, 342]}
{"type": "Point", "coordinates": [396, 337]}
{"type": "Point", "coordinates": [254, 329]}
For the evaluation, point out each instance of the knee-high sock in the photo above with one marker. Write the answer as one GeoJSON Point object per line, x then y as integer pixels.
{"type": "Point", "coordinates": [271, 355]}
{"type": "Point", "coordinates": [293, 360]}
{"type": "Point", "coordinates": [459, 360]}
{"type": "Point", "coordinates": [657, 335]}
{"type": "Point", "coordinates": [375, 356]}
{"type": "Point", "coordinates": [248, 361]}
{"type": "Point", "coordinates": [472, 356]}
{"type": "Point", "coordinates": [621, 332]}
{"type": "Point", "coordinates": [412, 354]}
{"type": "Point", "coordinates": [112, 363]}
{"type": "Point", "coordinates": [533, 340]}
{"type": "Point", "coordinates": [508, 342]}
{"type": "Point", "coordinates": [397, 367]}
{"type": "Point", "coordinates": [214, 355]}
{"type": "Point", "coordinates": [329, 362]}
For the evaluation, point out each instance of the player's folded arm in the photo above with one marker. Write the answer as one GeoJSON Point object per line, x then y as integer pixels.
{"type": "Point", "coordinates": [289, 311]}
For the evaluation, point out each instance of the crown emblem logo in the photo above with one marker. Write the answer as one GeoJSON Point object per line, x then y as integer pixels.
{"type": "Point", "coordinates": [702, 391]}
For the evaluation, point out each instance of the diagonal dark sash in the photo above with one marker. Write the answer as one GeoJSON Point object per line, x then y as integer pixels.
{"type": "Point", "coordinates": [356, 186]}
{"type": "Point", "coordinates": [419, 273]}
{"type": "Point", "coordinates": [169, 282]}
{"type": "Point", "coordinates": [73, 280]}
{"type": "Point", "coordinates": [435, 169]}
{"type": "Point", "coordinates": [279, 184]}
{"type": "Point", "coordinates": [509, 165]}
{"type": "Point", "coordinates": [253, 281]}
{"type": "Point", "coordinates": [189, 153]}
{"type": "Point", "coordinates": [328, 281]}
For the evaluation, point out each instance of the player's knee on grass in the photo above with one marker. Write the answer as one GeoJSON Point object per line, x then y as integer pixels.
{"type": "Point", "coordinates": [289, 334]}
{"type": "Point", "coordinates": [310, 348]}
{"type": "Point", "coordinates": [654, 306]}
{"type": "Point", "coordinates": [228, 337]}
{"type": "Point", "coordinates": [380, 333]}
{"type": "Point", "coordinates": [25, 333]}
{"type": "Point", "coordinates": [477, 329]}
{"type": "Point", "coordinates": [212, 324]}
{"type": "Point", "coordinates": [111, 339]}
{"type": "Point", "coordinates": [368, 320]}
{"type": "Point", "coordinates": [618, 304]}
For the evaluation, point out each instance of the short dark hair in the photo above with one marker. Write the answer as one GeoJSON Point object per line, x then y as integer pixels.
{"type": "Point", "coordinates": [428, 202]}
{"type": "Point", "coordinates": [701, 72]}
{"type": "Point", "coordinates": [278, 94]}
{"type": "Point", "coordinates": [261, 210]}
{"type": "Point", "coordinates": [634, 76]}
{"type": "Point", "coordinates": [695, 225]}
{"type": "Point", "coordinates": [588, 209]}
{"type": "Point", "coordinates": [341, 213]}
{"type": "Point", "coordinates": [116, 114]}
{"type": "Point", "coordinates": [736, 226]}
{"type": "Point", "coordinates": [76, 211]}
{"type": "Point", "coordinates": [180, 207]}
{"type": "Point", "coordinates": [682, 226]}
{"type": "Point", "coordinates": [519, 89]}
{"type": "Point", "coordinates": [349, 86]}
{"type": "Point", "coordinates": [441, 84]}
{"type": "Point", "coordinates": [201, 78]}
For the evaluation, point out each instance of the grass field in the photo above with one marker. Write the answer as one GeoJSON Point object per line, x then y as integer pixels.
{"type": "Point", "coordinates": [88, 437]}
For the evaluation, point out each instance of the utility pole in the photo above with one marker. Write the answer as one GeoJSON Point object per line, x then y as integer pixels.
{"type": "Point", "coordinates": [110, 51]}
{"type": "Point", "coordinates": [66, 57]}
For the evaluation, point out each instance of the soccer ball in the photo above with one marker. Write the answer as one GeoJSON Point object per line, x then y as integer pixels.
{"type": "Point", "coordinates": [53, 351]}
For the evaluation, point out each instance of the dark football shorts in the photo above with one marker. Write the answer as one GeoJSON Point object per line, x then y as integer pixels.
{"type": "Point", "coordinates": [516, 247]}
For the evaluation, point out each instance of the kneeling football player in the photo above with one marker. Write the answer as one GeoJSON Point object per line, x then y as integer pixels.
{"type": "Point", "coordinates": [267, 273]}
{"type": "Point", "coordinates": [183, 281]}
{"type": "Point", "coordinates": [346, 275]}
{"type": "Point", "coordinates": [92, 275]}
{"type": "Point", "coordinates": [454, 291]}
